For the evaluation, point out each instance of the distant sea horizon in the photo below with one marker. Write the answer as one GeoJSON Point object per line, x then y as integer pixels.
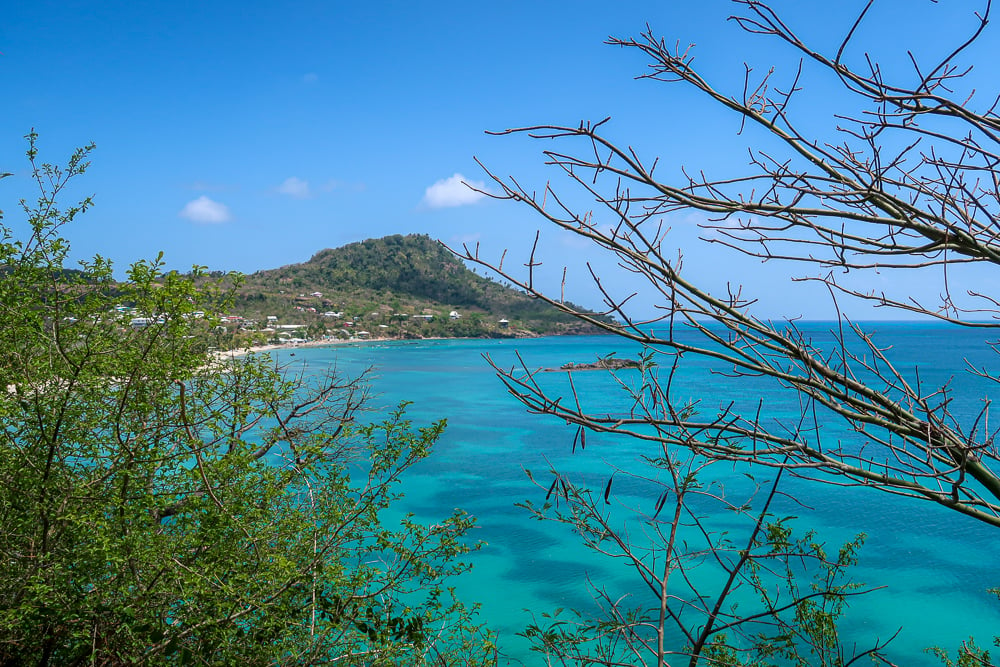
{"type": "Point", "coordinates": [935, 565]}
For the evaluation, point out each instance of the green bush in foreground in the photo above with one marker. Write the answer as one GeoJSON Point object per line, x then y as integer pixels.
{"type": "Point", "coordinates": [159, 509]}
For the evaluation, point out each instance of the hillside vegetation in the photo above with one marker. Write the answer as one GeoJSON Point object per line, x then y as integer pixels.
{"type": "Point", "coordinates": [399, 286]}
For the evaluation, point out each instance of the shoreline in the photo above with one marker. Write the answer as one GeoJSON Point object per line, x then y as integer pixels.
{"type": "Point", "coordinates": [221, 355]}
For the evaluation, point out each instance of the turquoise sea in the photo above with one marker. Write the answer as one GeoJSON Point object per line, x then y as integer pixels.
{"type": "Point", "coordinates": [934, 566]}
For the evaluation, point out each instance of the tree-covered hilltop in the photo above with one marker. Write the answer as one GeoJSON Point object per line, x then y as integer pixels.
{"type": "Point", "coordinates": [399, 286]}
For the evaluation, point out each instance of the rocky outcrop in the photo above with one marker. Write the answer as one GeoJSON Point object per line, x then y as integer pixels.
{"type": "Point", "coordinates": [603, 364]}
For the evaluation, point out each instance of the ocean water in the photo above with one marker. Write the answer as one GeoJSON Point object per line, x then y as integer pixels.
{"type": "Point", "coordinates": [933, 566]}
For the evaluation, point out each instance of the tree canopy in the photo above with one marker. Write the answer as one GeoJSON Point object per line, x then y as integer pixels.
{"type": "Point", "coordinates": [159, 506]}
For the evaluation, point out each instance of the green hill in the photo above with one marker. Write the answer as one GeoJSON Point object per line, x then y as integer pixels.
{"type": "Point", "coordinates": [405, 286]}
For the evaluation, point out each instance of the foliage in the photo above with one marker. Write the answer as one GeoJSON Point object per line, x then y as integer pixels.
{"type": "Point", "coordinates": [157, 507]}
{"type": "Point", "coordinates": [906, 186]}
{"type": "Point", "coordinates": [969, 654]}
{"type": "Point", "coordinates": [376, 280]}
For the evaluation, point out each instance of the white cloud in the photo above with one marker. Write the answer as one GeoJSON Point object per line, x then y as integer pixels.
{"type": "Point", "coordinates": [205, 210]}
{"type": "Point", "coordinates": [294, 187]}
{"type": "Point", "coordinates": [453, 192]}
{"type": "Point", "coordinates": [311, 77]}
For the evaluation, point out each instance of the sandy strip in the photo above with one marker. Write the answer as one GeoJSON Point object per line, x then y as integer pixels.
{"type": "Point", "coordinates": [329, 342]}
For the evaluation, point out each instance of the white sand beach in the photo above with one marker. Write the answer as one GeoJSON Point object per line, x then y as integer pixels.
{"type": "Point", "coordinates": [222, 355]}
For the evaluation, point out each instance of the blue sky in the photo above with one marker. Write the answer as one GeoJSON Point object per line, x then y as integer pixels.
{"type": "Point", "coordinates": [249, 135]}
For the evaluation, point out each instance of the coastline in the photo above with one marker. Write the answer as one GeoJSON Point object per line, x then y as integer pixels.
{"type": "Point", "coordinates": [221, 355]}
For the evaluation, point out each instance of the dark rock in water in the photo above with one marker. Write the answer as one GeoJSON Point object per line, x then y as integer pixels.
{"type": "Point", "coordinates": [608, 363]}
